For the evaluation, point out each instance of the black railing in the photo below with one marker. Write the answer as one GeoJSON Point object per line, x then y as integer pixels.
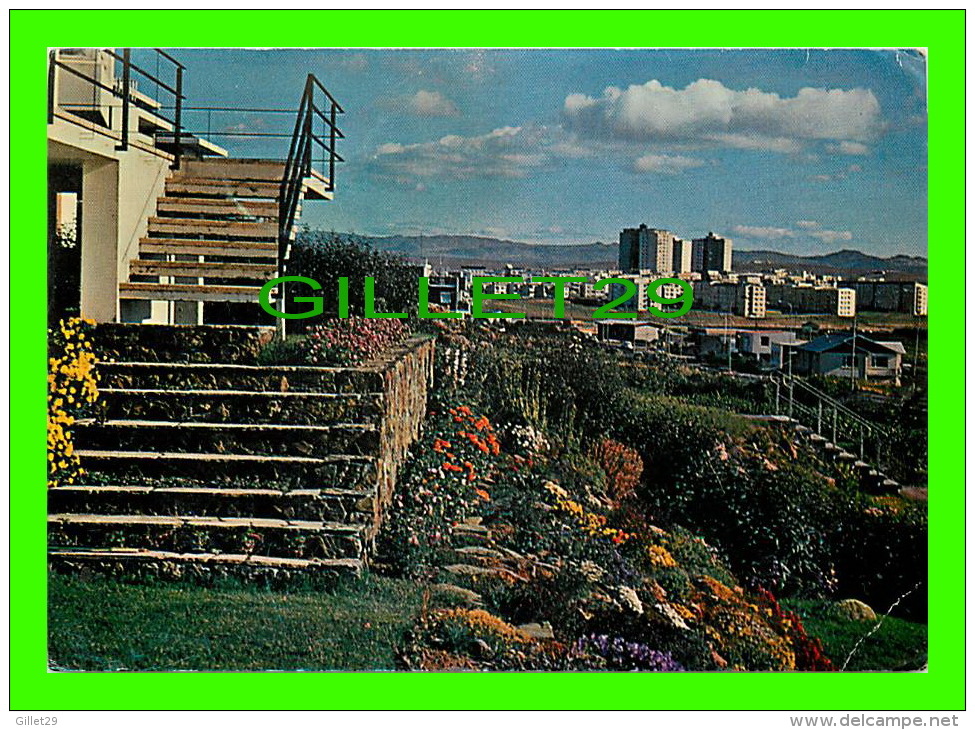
{"type": "Point", "coordinates": [130, 72]}
{"type": "Point", "coordinates": [312, 140]}
{"type": "Point", "coordinates": [299, 162]}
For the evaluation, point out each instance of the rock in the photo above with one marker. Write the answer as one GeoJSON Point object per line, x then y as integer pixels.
{"type": "Point", "coordinates": [854, 610]}
{"type": "Point", "coordinates": [670, 613]}
{"type": "Point", "coordinates": [476, 551]}
{"type": "Point", "coordinates": [477, 571]}
{"type": "Point", "coordinates": [460, 595]}
{"type": "Point", "coordinates": [629, 598]}
{"type": "Point", "coordinates": [366, 504]}
{"type": "Point", "coordinates": [538, 631]}
{"type": "Point", "coordinates": [555, 489]}
{"type": "Point", "coordinates": [591, 571]}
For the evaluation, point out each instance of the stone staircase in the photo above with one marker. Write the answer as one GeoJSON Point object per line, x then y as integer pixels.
{"type": "Point", "coordinates": [215, 234]}
{"type": "Point", "coordinates": [204, 469]}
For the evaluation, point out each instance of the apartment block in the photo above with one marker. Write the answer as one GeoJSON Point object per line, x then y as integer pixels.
{"type": "Point", "coordinates": [909, 297]}
{"type": "Point", "coordinates": [744, 299]}
{"type": "Point", "coordinates": [711, 253]}
{"type": "Point", "coordinates": [841, 301]}
{"type": "Point", "coordinates": [646, 249]}
{"type": "Point", "coordinates": [640, 302]}
{"type": "Point", "coordinates": [683, 256]}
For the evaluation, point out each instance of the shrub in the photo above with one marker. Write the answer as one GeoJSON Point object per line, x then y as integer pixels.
{"type": "Point", "coordinates": [623, 467]}
{"type": "Point", "coordinates": [325, 257]}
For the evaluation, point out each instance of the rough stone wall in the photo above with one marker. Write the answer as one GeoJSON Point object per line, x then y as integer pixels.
{"type": "Point", "coordinates": [407, 377]}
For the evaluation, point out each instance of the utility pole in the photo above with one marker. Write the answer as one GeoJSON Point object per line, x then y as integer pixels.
{"type": "Point", "coordinates": [853, 359]}
{"type": "Point", "coordinates": [917, 338]}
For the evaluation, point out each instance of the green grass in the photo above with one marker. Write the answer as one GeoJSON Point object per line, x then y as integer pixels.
{"type": "Point", "coordinates": [103, 625]}
{"type": "Point", "coordinates": [896, 645]}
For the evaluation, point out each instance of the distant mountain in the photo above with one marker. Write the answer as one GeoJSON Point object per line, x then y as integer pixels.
{"type": "Point", "coordinates": [462, 250]}
{"type": "Point", "coordinates": [847, 261]}
{"type": "Point", "coordinates": [493, 252]}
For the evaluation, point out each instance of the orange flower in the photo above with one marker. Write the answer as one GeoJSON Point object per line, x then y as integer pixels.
{"type": "Point", "coordinates": [483, 495]}
{"type": "Point", "coordinates": [465, 410]}
{"type": "Point", "coordinates": [452, 467]}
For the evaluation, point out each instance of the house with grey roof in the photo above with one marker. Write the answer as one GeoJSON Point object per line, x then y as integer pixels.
{"type": "Point", "coordinates": [846, 354]}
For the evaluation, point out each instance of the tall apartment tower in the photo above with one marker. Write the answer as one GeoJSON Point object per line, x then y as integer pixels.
{"type": "Point", "coordinates": [646, 249]}
{"type": "Point", "coordinates": [711, 253]}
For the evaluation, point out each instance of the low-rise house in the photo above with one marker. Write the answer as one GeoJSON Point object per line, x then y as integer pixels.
{"type": "Point", "coordinates": [636, 334]}
{"type": "Point", "coordinates": [769, 347]}
{"type": "Point", "coordinates": [847, 354]}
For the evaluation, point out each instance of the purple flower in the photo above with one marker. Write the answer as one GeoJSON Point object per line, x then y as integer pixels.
{"type": "Point", "coordinates": [627, 655]}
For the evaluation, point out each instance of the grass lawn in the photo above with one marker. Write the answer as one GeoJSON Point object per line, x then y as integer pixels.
{"type": "Point", "coordinates": [896, 645]}
{"type": "Point", "coordinates": [100, 624]}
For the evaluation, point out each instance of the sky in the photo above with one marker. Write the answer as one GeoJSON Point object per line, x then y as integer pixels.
{"type": "Point", "coordinates": [801, 151]}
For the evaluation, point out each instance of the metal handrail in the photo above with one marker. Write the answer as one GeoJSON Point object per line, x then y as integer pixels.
{"type": "Point", "coordinates": [298, 165]}
{"type": "Point", "coordinates": [831, 402]}
{"type": "Point", "coordinates": [125, 92]}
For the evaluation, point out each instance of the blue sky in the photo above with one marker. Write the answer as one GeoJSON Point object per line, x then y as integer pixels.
{"type": "Point", "coordinates": [793, 150]}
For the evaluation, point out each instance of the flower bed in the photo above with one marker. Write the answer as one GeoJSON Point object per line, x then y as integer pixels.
{"type": "Point", "coordinates": [72, 388]}
{"type": "Point", "coordinates": [540, 546]}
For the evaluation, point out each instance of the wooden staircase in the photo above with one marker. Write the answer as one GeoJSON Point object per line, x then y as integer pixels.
{"type": "Point", "coordinates": [215, 235]}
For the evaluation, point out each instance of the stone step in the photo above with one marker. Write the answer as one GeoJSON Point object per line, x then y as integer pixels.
{"type": "Point", "coordinates": [237, 406]}
{"type": "Point", "coordinates": [276, 572]}
{"type": "Point", "coordinates": [257, 535]}
{"type": "Point", "coordinates": [189, 292]}
{"type": "Point", "coordinates": [222, 248]}
{"type": "Point", "coordinates": [348, 506]}
{"type": "Point", "coordinates": [334, 471]}
{"type": "Point", "coordinates": [208, 269]}
{"type": "Point", "coordinates": [217, 207]}
{"type": "Point", "coordinates": [203, 186]}
{"type": "Point", "coordinates": [180, 343]}
{"type": "Point", "coordinates": [194, 227]}
{"type": "Point", "coordinates": [213, 376]}
{"type": "Point", "coordinates": [236, 438]}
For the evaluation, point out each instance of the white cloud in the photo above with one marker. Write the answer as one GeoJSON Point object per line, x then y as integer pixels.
{"type": "Point", "coordinates": [707, 111]}
{"type": "Point", "coordinates": [665, 164]}
{"type": "Point", "coordinates": [769, 232]}
{"type": "Point", "coordinates": [847, 147]}
{"type": "Point", "coordinates": [510, 152]}
{"type": "Point", "coordinates": [431, 104]}
{"type": "Point", "coordinates": [808, 228]}
{"type": "Point", "coordinates": [832, 236]}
